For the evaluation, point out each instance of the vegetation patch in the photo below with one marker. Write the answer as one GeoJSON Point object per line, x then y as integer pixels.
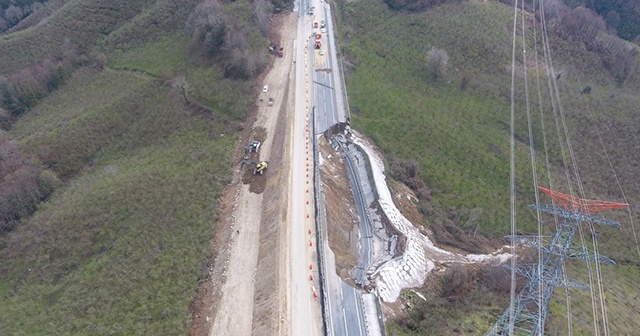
{"type": "Point", "coordinates": [433, 91]}
{"type": "Point", "coordinates": [167, 59]}
{"type": "Point", "coordinates": [140, 225]}
{"type": "Point", "coordinates": [127, 158]}
{"type": "Point", "coordinates": [120, 248]}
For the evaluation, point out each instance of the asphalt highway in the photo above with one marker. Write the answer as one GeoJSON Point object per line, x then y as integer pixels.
{"type": "Point", "coordinates": [345, 313]}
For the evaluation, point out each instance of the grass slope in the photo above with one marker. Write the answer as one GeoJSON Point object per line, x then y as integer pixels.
{"type": "Point", "coordinates": [78, 21]}
{"type": "Point", "coordinates": [460, 137]}
{"type": "Point", "coordinates": [166, 57]}
{"type": "Point", "coordinates": [121, 247]}
{"type": "Point", "coordinates": [115, 26]}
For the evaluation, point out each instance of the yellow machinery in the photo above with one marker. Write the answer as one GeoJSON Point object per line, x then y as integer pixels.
{"type": "Point", "coordinates": [258, 168]}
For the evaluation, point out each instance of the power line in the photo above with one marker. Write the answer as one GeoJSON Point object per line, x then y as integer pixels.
{"type": "Point", "coordinates": [512, 175]}
{"type": "Point", "coordinates": [530, 312]}
{"type": "Point", "coordinates": [546, 275]}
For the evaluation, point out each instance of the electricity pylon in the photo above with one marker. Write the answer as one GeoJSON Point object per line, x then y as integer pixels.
{"type": "Point", "coordinates": [528, 313]}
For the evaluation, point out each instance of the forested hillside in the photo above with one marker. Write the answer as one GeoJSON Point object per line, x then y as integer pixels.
{"type": "Point", "coordinates": [118, 121]}
{"type": "Point", "coordinates": [621, 17]}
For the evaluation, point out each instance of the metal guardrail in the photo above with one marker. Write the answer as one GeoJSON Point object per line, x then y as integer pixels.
{"type": "Point", "coordinates": [320, 234]}
{"type": "Point", "coordinates": [358, 181]}
{"type": "Point", "coordinates": [380, 320]}
{"type": "Point", "coordinates": [364, 315]}
{"type": "Point", "coordinates": [340, 64]}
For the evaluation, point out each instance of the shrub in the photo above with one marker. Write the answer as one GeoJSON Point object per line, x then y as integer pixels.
{"type": "Point", "coordinates": [24, 90]}
{"type": "Point", "coordinates": [207, 26]}
{"type": "Point", "coordinates": [262, 10]}
{"type": "Point", "coordinates": [48, 182]}
{"type": "Point", "coordinates": [23, 185]}
{"type": "Point", "coordinates": [457, 284]}
{"type": "Point", "coordinates": [438, 60]}
{"type": "Point", "coordinates": [14, 11]}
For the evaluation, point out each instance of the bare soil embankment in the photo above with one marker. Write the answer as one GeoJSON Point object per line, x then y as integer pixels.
{"type": "Point", "coordinates": [342, 219]}
{"type": "Point", "coordinates": [245, 292]}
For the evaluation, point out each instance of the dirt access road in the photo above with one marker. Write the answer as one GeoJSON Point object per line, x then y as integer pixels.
{"type": "Point", "coordinates": [259, 277]}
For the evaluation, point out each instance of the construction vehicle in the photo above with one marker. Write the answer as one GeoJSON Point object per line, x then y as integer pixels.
{"type": "Point", "coordinates": [251, 148]}
{"type": "Point", "coordinates": [276, 49]}
{"type": "Point", "coordinates": [318, 45]}
{"type": "Point", "coordinates": [258, 168]}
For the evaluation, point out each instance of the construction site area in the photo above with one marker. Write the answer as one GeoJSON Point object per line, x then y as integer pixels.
{"type": "Point", "coordinates": [373, 250]}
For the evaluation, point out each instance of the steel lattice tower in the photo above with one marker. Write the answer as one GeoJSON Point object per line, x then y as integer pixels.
{"type": "Point", "coordinates": [532, 303]}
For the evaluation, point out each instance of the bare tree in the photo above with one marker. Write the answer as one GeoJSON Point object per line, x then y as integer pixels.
{"type": "Point", "coordinates": [181, 85]}
{"type": "Point", "coordinates": [19, 189]}
{"type": "Point", "coordinates": [240, 62]}
{"type": "Point", "coordinates": [36, 6]}
{"type": "Point", "coordinates": [554, 8]}
{"type": "Point", "coordinates": [583, 24]}
{"type": "Point", "coordinates": [207, 13]}
{"type": "Point", "coordinates": [262, 10]}
{"type": "Point", "coordinates": [613, 20]}
{"type": "Point", "coordinates": [438, 61]}
{"type": "Point", "coordinates": [207, 26]}
{"type": "Point", "coordinates": [100, 61]}
{"type": "Point", "coordinates": [13, 14]}
{"type": "Point", "coordinates": [48, 182]}
{"type": "Point", "coordinates": [621, 65]}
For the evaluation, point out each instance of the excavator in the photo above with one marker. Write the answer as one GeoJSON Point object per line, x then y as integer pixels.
{"type": "Point", "coordinates": [258, 168]}
{"type": "Point", "coordinates": [251, 148]}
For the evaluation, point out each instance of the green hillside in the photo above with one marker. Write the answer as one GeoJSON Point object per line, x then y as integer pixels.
{"type": "Point", "coordinates": [138, 140]}
{"type": "Point", "coordinates": [455, 129]}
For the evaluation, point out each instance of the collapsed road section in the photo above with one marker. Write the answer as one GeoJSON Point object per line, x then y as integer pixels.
{"type": "Point", "coordinates": [376, 251]}
{"type": "Point", "coordinates": [391, 253]}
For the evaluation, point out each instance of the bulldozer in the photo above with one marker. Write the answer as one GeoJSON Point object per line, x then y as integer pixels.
{"type": "Point", "coordinates": [258, 168]}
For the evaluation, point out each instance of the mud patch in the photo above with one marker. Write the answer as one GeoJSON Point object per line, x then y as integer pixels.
{"type": "Point", "coordinates": [257, 183]}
